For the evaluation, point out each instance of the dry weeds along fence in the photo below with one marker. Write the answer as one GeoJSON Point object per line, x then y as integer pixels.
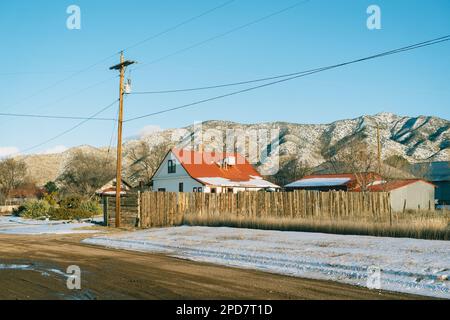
{"type": "Point", "coordinates": [169, 209]}
{"type": "Point", "coordinates": [330, 212]}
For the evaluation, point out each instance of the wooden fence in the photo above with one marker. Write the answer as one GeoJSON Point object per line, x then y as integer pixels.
{"type": "Point", "coordinates": [129, 208]}
{"type": "Point", "coordinates": [159, 209]}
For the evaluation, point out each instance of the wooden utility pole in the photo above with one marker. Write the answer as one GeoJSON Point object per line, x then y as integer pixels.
{"type": "Point", "coordinates": [121, 67]}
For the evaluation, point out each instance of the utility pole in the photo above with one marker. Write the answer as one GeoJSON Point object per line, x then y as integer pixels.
{"type": "Point", "coordinates": [121, 67]}
{"type": "Point", "coordinates": [379, 148]}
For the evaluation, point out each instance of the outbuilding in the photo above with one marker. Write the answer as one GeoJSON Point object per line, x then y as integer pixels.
{"type": "Point", "coordinates": [334, 182]}
{"type": "Point", "coordinates": [109, 189]}
{"type": "Point", "coordinates": [413, 194]}
{"type": "Point", "coordinates": [439, 174]}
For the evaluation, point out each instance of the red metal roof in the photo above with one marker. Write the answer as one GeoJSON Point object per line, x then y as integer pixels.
{"type": "Point", "coordinates": [207, 164]}
{"type": "Point", "coordinates": [110, 188]}
{"type": "Point", "coordinates": [396, 184]}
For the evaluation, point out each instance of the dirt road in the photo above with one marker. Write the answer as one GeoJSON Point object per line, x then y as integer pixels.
{"type": "Point", "coordinates": [32, 267]}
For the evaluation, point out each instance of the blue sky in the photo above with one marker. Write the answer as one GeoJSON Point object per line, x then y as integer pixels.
{"type": "Point", "coordinates": [38, 50]}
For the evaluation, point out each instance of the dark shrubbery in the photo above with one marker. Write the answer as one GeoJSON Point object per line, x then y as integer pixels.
{"type": "Point", "coordinates": [72, 208]}
{"type": "Point", "coordinates": [92, 207]}
{"type": "Point", "coordinates": [69, 214]}
{"type": "Point", "coordinates": [71, 202]}
{"type": "Point", "coordinates": [34, 209]}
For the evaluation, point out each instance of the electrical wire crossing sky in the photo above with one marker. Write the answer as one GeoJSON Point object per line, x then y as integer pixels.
{"type": "Point", "coordinates": [188, 51]}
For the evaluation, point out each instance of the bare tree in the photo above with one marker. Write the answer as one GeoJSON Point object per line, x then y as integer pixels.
{"type": "Point", "coordinates": [399, 162]}
{"type": "Point", "coordinates": [85, 173]}
{"type": "Point", "coordinates": [12, 175]}
{"type": "Point", "coordinates": [146, 160]}
{"type": "Point", "coordinates": [356, 158]}
{"type": "Point", "coordinates": [291, 169]}
{"type": "Point", "coordinates": [423, 170]}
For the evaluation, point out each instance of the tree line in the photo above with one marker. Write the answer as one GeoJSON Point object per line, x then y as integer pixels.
{"type": "Point", "coordinates": [83, 174]}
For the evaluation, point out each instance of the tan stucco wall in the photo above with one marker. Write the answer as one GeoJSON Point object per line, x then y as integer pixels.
{"type": "Point", "coordinates": [416, 194]}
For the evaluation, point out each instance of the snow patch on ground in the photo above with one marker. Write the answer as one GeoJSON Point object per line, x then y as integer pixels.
{"type": "Point", "coordinates": [20, 226]}
{"type": "Point", "coordinates": [407, 265]}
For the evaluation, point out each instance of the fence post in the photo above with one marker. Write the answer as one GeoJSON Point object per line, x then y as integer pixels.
{"type": "Point", "coordinates": [105, 211]}
{"type": "Point", "coordinates": [139, 222]}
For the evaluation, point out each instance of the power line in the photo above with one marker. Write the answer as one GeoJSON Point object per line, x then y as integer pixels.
{"type": "Point", "coordinates": [140, 43]}
{"type": "Point", "coordinates": [63, 98]}
{"type": "Point", "coordinates": [220, 85]}
{"type": "Point", "coordinates": [44, 106]}
{"type": "Point", "coordinates": [70, 129]}
{"type": "Point", "coordinates": [19, 73]}
{"type": "Point", "coordinates": [221, 35]}
{"type": "Point", "coordinates": [177, 26]}
{"type": "Point", "coordinates": [61, 81]}
{"type": "Point", "coordinates": [180, 90]}
{"type": "Point", "coordinates": [111, 140]}
{"type": "Point", "coordinates": [302, 74]}
{"type": "Point", "coordinates": [41, 116]}
{"type": "Point", "coordinates": [187, 21]}
{"type": "Point", "coordinates": [112, 137]}
{"type": "Point", "coordinates": [306, 72]}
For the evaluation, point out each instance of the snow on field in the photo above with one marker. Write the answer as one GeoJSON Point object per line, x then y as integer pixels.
{"type": "Point", "coordinates": [407, 265]}
{"type": "Point", "coordinates": [20, 226]}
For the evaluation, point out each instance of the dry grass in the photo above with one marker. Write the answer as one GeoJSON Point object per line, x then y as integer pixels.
{"type": "Point", "coordinates": [424, 225]}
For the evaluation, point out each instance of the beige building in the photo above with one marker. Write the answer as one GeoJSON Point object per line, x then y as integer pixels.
{"type": "Point", "coordinates": [408, 194]}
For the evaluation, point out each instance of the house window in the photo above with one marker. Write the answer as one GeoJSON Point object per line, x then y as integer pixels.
{"type": "Point", "coordinates": [180, 187]}
{"type": "Point", "coordinates": [195, 189]}
{"type": "Point", "coordinates": [200, 189]}
{"type": "Point", "coordinates": [162, 190]}
{"type": "Point", "coordinates": [269, 150]}
{"type": "Point", "coordinates": [230, 190]}
{"type": "Point", "coordinates": [213, 190]}
{"type": "Point", "coordinates": [172, 166]}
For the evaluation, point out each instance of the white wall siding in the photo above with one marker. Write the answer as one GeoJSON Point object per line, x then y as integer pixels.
{"type": "Point", "coordinates": [173, 184]}
{"type": "Point", "coordinates": [415, 194]}
{"type": "Point", "coordinates": [171, 181]}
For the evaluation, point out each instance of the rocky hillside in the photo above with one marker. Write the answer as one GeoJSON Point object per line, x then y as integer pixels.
{"type": "Point", "coordinates": [417, 139]}
{"type": "Point", "coordinates": [47, 167]}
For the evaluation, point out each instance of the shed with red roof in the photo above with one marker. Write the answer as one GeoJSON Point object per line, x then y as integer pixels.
{"type": "Point", "coordinates": [408, 194]}
{"type": "Point", "coordinates": [109, 189]}
{"type": "Point", "coordinates": [335, 182]}
{"type": "Point", "coordinates": [411, 194]}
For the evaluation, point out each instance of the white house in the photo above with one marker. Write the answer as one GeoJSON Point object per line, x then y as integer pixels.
{"type": "Point", "coordinates": [209, 172]}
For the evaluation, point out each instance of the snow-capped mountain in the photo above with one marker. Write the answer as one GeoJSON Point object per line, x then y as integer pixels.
{"type": "Point", "coordinates": [418, 139]}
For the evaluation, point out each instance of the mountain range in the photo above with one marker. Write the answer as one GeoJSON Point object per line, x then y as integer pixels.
{"type": "Point", "coordinates": [417, 139]}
